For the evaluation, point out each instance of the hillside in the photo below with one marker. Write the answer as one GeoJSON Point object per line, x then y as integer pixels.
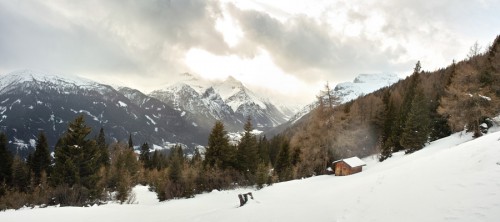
{"type": "Point", "coordinates": [425, 106]}
{"type": "Point", "coordinates": [362, 85]}
{"type": "Point", "coordinates": [452, 179]}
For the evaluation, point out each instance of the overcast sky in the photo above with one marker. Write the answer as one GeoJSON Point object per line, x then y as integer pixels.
{"type": "Point", "coordinates": [288, 48]}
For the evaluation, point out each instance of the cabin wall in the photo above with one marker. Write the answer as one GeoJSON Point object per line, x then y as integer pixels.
{"type": "Point", "coordinates": [356, 169]}
{"type": "Point", "coordinates": [342, 169]}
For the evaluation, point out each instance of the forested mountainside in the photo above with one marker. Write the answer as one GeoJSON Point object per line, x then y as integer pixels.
{"type": "Point", "coordinates": [405, 116]}
{"type": "Point", "coordinates": [362, 85]}
{"type": "Point", "coordinates": [31, 102]}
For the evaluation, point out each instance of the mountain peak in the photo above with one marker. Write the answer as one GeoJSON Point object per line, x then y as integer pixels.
{"type": "Point", "coordinates": [231, 81]}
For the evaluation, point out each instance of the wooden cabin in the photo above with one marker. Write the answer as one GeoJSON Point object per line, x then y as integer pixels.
{"type": "Point", "coordinates": [348, 166]}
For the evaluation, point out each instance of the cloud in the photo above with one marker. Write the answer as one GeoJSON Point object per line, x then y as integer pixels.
{"type": "Point", "coordinates": [145, 44]}
{"type": "Point", "coordinates": [127, 38]}
{"type": "Point", "coordinates": [351, 37]}
{"type": "Point", "coordinates": [27, 42]}
{"type": "Point", "coordinates": [308, 48]}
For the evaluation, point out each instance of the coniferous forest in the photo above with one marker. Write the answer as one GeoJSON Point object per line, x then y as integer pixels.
{"type": "Point", "coordinates": [86, 170]}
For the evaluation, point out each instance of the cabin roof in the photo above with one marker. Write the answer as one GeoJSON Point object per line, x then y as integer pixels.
{"type": "Point", "coordinates": [352, 162]}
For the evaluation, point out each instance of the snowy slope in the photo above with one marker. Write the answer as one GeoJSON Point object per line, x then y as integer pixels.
{"type": "Point", "coordinates": [363, 84]}
{"type": "Point", "coordinates": [453, 179]}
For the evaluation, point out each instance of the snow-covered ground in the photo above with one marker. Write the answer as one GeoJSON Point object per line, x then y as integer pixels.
{"type": "Point", "coordinates": [453, 179]}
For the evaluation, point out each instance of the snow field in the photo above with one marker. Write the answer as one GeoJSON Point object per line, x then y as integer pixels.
{"type": "Point", "coordinates": [452, 179]}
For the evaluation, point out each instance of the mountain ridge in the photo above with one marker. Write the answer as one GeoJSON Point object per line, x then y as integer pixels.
{"type": "Point", "coordinates": [229, 100]}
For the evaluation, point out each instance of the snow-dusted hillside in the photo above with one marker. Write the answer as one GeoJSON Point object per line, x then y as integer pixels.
{"type": "Point", "coordinates": [228, 100]}
{"type": "Point", "coordinates": [363, 84]}
{"type": "Point", "coordinates": [452, 179]}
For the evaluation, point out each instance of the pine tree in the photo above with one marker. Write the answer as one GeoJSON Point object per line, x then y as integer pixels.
{"type": "Point", "coordinates": [40, 161]}
{"type": "Point", "coordinates": [247, 154]}
{"type": "Point", "coordinates": [5, 161]}
{"type": "Point", "coordinates": [218, 153]}
{"type": "Point", "coordinates": [103, 148]}
{"type": "Point", "coordinates": [144, 156]}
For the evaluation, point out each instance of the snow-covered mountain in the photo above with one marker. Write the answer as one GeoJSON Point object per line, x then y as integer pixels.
{"type": "Point", "coordinates": [228, 100]}
{"type": "Point", "coordinates": [363, 84]}
{"type": "Point", "coordinates": [32, 101]}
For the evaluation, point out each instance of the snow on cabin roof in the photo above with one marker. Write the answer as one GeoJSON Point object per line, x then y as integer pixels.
{"type": "Point", "coordinates": [353, 161]}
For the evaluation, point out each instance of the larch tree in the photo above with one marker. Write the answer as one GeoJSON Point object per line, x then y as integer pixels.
{"type": "Point", "coordinates": [466, 103]}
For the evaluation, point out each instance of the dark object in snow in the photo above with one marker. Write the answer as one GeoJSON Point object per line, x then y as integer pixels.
{"type": "Point", "coordinates": [244, 198]}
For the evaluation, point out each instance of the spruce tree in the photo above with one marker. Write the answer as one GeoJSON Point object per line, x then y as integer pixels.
{"type": "Point", "coordinates": [144, 156]}
{"type": "Point", "coordinates": [218, 153]}
{"type": "Point", "coordinates": [283, 165]}
{"type": "Point", "coordinates": [40, 160]}
{"type": "Point", "coordinates": [103, 148]}
{"type": "Point", "coordinates": [76, 158]}
{"type": "Point", "coordinates": [247, 154]}
{"type": "Point", "coordinates": [130, 142]}
{"type": "Point", "coordinates": [263, 147]}
{"type": "Point", "coordinates": [175, 167]}
{"type": "Point", "coordinates": [387, 142]}
{"type": "Point", "coordinates": [416, 131]}
{"type": "Point", "coordinates": [5, 161]}
{"type": "Point", "coordinates": [409, 93]}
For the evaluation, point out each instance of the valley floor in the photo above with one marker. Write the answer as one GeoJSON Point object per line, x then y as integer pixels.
{"type": "Point", "coordinates": [453, 179]}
